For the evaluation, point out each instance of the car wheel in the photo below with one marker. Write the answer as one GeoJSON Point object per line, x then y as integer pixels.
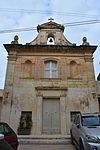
{"type": "Point", "coordinates": [81, 147]}
{"type": "Point", "coordinates": [72, 139]}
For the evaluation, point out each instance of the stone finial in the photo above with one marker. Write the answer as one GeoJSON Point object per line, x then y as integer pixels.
{"type": "Point", "coordinates": [15, 40]}
{"type": "Point", "coordinates": [85, 41]}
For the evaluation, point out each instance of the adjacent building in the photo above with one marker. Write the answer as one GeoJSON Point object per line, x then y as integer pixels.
{"type": "Point", "coordinates": [48, 81]}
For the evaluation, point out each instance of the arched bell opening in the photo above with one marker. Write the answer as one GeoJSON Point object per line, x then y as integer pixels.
{"type": "Point", "coordinates": [50, 39]}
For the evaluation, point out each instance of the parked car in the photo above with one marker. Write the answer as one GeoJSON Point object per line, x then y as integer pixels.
{"type": "Point", "coordinates": [85, 131]}
{"type": "Point", "coordinates": [3, 144]}
{"type": "Point", "coordinates": [9, 135]}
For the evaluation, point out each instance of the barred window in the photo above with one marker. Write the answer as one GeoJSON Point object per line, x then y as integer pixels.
{"type": "Point", "coordinates": [73, 114]}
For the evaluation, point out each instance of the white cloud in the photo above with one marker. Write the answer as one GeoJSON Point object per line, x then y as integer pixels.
{"type": "Point", "coordinates": [62, 11]}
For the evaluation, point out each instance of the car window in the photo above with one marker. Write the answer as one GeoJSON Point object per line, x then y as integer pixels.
{"type": "Point", "coordinates": [90, 120]}
{"type": "Point", "coordinates": [1, 129]}
{"type": "Point", "coordinates": [5, 129]}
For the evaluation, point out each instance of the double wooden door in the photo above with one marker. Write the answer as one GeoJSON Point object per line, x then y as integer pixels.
{"type": "Point", "coordinates": [51, 116]}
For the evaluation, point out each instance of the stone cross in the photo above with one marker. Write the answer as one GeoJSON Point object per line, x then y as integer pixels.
{"type": "Point", "coordinates": [51, 19]}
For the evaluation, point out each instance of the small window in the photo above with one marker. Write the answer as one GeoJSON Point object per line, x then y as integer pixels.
{"type": "Point", "coordinates": [50, 69]}
{"type": "Point", "coordinates": [26, 119]}
{"type": "Point", "coordinates": [73, 115]}
{"type": "Point", "coordinates": [26, 113]}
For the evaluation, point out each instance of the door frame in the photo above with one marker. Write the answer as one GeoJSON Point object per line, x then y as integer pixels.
{"type": "Point", "coordinates": [49, 92]}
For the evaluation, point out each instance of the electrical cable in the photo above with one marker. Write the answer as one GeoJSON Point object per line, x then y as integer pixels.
{"type": "Point", "coordinates": [17, 30]}
{"type": "Point", "coordinates": [87, 22]}
{"type": "Point", "coordinates": [45, 12]}
{"type": "Point", "coordinates": [82, 22]}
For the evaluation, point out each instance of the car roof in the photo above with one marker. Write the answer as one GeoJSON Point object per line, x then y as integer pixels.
{"type": "Point", "coordinates": [90, 114]}
{"type": "Point", "coordinates": [3, 123]}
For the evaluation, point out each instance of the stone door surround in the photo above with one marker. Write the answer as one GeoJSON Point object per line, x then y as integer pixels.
{"type": "Point", "coordinates": [51, 92]}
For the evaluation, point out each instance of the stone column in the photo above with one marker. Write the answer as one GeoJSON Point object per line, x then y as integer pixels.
{"type": "Point", "coordinates": [63, 115]}
{"type": "Point", "coordinates": [39, 115]}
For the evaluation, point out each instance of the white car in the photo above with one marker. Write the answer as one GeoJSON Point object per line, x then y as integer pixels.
{"type": "Point", "coordinates": [85, 131]}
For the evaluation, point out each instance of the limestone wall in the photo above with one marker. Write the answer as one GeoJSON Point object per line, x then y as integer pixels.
{"type": "Point", "coordinates": [25, 75]}
{"type": "Point", "coordinates": [98, 87]}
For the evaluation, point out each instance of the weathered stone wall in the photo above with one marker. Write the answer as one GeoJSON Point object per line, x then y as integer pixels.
{"type": "Point", "coordinates": [21, 94]}
{"type": "Point", "coordinates": [98, 87]}
{"type": "Point", "coordinates": [1, 93]}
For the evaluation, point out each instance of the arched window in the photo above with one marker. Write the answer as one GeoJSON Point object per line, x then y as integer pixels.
{"type": "Point", "coordinates": [50, 69]}
{"type": "Point", "coordinates": [27, 68]}
{"type": "Point", "coordinates": [73, 69]}
{"type": "Point", "coordinates": [50, 39]}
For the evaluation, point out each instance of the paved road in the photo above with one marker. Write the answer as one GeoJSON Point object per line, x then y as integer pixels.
{"type": "Point", "coordinates": [47, 147]}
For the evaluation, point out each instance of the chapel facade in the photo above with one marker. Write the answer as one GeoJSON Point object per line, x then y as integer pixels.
{"type": "Point", "coordinates": [48, 81]}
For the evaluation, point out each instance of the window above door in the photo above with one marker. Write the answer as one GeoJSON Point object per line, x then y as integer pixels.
{"type": "Point", "coordinates": [50, 69]}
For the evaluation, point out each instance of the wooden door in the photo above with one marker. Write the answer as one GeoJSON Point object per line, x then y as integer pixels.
{"type": "Point", "coordinates": [51, 116]}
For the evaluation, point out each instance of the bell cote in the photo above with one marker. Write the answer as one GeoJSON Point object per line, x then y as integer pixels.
{"type": "Point", "coordinates": [50, 33]}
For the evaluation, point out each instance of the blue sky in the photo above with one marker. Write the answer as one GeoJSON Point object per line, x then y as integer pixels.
{"type": "Point", "coordinates": [15, 14]}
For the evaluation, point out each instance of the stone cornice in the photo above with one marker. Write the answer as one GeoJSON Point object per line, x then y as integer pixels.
{"type": "Point", "coordinates": [64, 49]}
{"type": "Point", "coordinates": [12, 57]}
{"type": "Point", "coordinates": [88, 57]}
{"type": "Point", "coordinates": [51, 88]}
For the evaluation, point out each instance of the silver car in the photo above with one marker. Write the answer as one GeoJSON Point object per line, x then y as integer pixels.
{"type": "Point", "coordinates": [85, 131]}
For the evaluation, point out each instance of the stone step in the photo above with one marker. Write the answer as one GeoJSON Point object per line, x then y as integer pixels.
{"type": "Point", "coordinates": [48, 139]}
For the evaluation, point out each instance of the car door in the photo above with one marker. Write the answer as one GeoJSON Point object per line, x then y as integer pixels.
{"type": "Point", "coordinates": [9, 135]}
{"type": "Point", "coordinates": [4, 145]}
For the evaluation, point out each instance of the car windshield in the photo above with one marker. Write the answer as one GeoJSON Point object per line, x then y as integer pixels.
{"type": "Point", "coordinates": [93, 120]}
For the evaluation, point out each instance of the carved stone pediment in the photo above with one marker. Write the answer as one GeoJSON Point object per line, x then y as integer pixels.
{"type": "Point", "coordinates": [51, 91]}
{"type": "Point", "coordinates": [50, 25]}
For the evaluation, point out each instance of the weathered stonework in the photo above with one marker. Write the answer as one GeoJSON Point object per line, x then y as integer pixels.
{"type": "Point", "coordinates": [27, 89]}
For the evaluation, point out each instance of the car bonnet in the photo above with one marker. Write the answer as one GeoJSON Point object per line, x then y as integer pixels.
{"type": "Point", "coordinates": [92, 130]}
